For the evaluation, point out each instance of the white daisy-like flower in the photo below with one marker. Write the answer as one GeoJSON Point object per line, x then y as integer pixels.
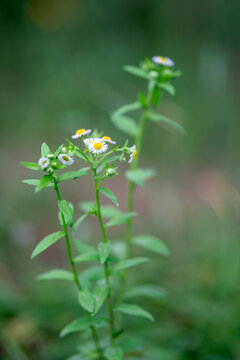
{"type": "Point", "coordinates": [65, 159]}
{"type": "Point", "coordinates": [97, 146]}
{"type": "Point", "coordinates": [44, 162]}
{"type": "Point", "coordinates": [107, 139]}
{"type": "Point", "coordinates": [133, 153]}
{"type": "Point", "coordinates": [81, 132]}
{"type": "Point", "coordinates": [165, 61]}
{"type": "Point", "coordinates": [87, 141]}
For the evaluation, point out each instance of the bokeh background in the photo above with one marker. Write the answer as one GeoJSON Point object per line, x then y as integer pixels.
{"type": "Point", "coordinates": [61, 69]}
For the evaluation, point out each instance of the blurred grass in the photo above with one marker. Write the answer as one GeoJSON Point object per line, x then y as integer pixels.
{"type": "Point", "coordinates": [61, 69]}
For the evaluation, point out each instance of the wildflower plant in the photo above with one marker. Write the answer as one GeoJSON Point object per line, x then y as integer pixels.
{"type": "Point", "coordinates": [101, 289]}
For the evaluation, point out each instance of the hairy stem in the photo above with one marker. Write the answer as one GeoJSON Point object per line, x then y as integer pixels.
{"type": "Point", "coordinates": [74, 270]}
{"type": "Point", "coordinates": [106, 269]}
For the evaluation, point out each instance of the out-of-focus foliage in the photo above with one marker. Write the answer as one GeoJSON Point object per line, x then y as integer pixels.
{"type": "Point", "coordinates": [61, 69]}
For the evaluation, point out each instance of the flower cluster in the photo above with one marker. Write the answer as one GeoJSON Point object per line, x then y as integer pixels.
{"type": "Point", "coordinates": [62, 157]}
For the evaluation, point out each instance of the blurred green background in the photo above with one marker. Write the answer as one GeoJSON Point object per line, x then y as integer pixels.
{"type": "Point", "coordinates": [61, 69]}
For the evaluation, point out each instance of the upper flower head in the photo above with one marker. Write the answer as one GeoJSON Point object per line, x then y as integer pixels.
{"type": "Point", "coordinates": [65, 159]}
{"type": "Point", "coordinates": [133, 153]}
{"type": "Point", "coordinates": [87, 141]}
{"type": "Point", "coordinates": [44, 162]}
{"type": "Point", "coordinates": [107, 139]}
{"type": "Point", "coordinates": [162, 60]}
{"type": "Point", "coordinates": [81, 132]}
{"type": "Point", "coordinates": [97, 146]}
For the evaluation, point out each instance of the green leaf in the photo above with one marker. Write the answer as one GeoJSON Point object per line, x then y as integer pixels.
{"type": "Point", "coordinates": [133, 310]}
{"type": "Point", "coordinates": [45, 151]}
{"type": "Point", "coordinates": [34, 182]}
{"type": "Point", "coordinates": [91, 275]}
{"type": "Point", "coordinates": [73, 174]}
{"type": "Point", "coordinates": [58, 151]}
{"type": "Point", "coordinates": [67, 211]}
{"type": "Point", "coordinates": [108, 193]}
{"type": "Point", "coordinates": [109, 211]}
{"type": "Point", "coordinates": [100, 294]}
{"type": "Point", "coordinates": [167, 87]}
{"type": "Point", "coordinates": [88, 256]}
{"type": "Point", "coordinates": [56, 274]}
{"type": "Point", "coordinates": [138, 176]}
{"type": "Point", "coordinates": [151, 243]}
{"type": "Point", "coordinates": [79, 154]}
{"type": "Point", "coordinates": [78, 222]}
{"type": "Point", "coordinates": [82, 324]}
{"type": "Point", "coordinates": [86, 300]}
{"type": "Point", "coordinates": [134, 70]}
{"type": "Point", "coordinates": [163, 119]}
{"type": "Point", "coordinates": [121, 219]}
{"type": "Point", "coordinates": [104, 250]}
{"type": "Point", "coordinates": [124, 264]}
{"type": "Point", "coordinates": [87, 206]}
{"type": "Point", "coordinates": [44, 182]}
{"type": "Point", "coordinates": [32, 166]}
{"type": "Point", "coordinates": [126, 124]}
{"type": "Point", "coordinates": [151, 291]}
{"type": "Point", "coordinates": [114, 353]}
{"type": "Point", "coordinates": [109, 159]}
{"type": "Point", "coordinates": [82, 247]}
{"type": "Point", "coordinates": [126, 108]}
{"type": "Point", "coordinates": [46, 242]}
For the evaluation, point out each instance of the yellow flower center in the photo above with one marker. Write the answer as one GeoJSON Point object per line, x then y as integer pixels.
{"type": "Point", "coordinates": [97, 145]}
{"type": "Point", "coordinates": [80, 131]}
{"type": "Point", "coordinates": [65, 157]}
{"type": "Point", "coordinates": [106, 138]}
{"type": "Point", "coordinates": [134, 154]}
{"type": "Point", "coordinates": [163, 59]}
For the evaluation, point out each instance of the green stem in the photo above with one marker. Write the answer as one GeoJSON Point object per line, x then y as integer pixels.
{"type": "Point", "coordinates": [74, 270]}
{"type": "Point", "coordinates": [106, 269]}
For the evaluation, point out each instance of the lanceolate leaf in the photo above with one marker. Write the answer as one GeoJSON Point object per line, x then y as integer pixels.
{"type": "Point", "coordinates": [167, 87]}
{"type": "Point", "coordinates": [138, 176]}
{"type": "Point", "coordinates": [100, 294]}
{"type": "Point", "coordinates": [82, 324]}
{"type": "Point", "coordinates": [163, 119]}
{"type": "Point", "coordinates": [31, 166]}
{"type": "Point", "coordinates": [67, 211]}
{"type": "Point", "coordinates": [134, 70]}
{"type": "Point", "coordinates": [44, 182]}
{"type": "Point", "coordinates": [88, 256]}
{"type": "Point", "coordinates": [151, 291]}
{"type": "Point", "coordinates": [86, 300]}
{"type": "Point", "coordinates": [151, 243]}
{"type": "Point", "coordinates": [104, 250]}
{"type": "Point", "coordinates": [114, 353]}
{"type": "Point", "coordinates": [126, 108]}
{"type": "Point", "coordinates": [124, 264]}
{"type": "Point", "coordinates": [45, 150]}
{"type": "Point", "coordinates": [109, 159]}
{"type": "Point", "coordinates": [109, 211]}
{"type": "Point", "coordinates": [126, 124]}
{"type": "Point", "coordinates": [73, 174]}
{"type": "Point", "coordinates": [56, 274]}
{"type": "Point", "coordinates": [82, 247]}
{"type": "Point", "coordinates": [34, 182]}
{"type": "Point", "coordinates": [121, 219]}
{"type": "Point", "coordinates": [46, 242]}
{"type": "Point", "coordinates": [78, 222]}
{"type": "Point", "coordinates": [133, 310]}
{"type": "Point", "coordinates": [108, 193]}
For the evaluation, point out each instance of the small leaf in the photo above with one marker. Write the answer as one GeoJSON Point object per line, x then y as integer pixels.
{"type": "Point", "coordinates": [126, 124]}
{"type": "Point", "coordinates": [67, 211]}
{"type": "Point", "coordinates": [104, 250]}
{"type": "Point", "coordinates": [109, 211]}
{"type": "Point", "coordinates": [109, 159]}
{"type": "Point", "coordinates": [114, 353]}
{"type": "Point", "coordinates": [108, 193]}
{"type": "Point", "coordinates": [73, 174]}
{"type": "Point", "coordinates": [82, 247]}
{"type": "Point", "coordinates": [163, 119]}
{"type": "Point", "coordinates": [126, 108]}
{"type": "Point", "coordinates": [133, 310]}
{"type": "Point", "coordinates": [78, 222]}
{"type": "Point", "coordinates": [151, 243]}
{"type": "Point", "coordinates": [46, 242]}
{"type": "Point", "coordinates": [121, 219]}
{"type": "Point", "coordinates": [91, 275]}
{"type": "Point", "coordinates": [151, 291]}
{"type": "Point", "coordinates": [134, 70]}
{"type": "Point", "coordinates": [86, 300]}
{"type": "Point", "coordinates": [167, 87]}
{"type": "Point", "coordinates": [58, 151]}
{"type": "Point", "coordinates": [56, 274]}
{"type": "Point", "coordinates": [32, 166]}
{"type": "Point", "coordinates": [138, 176]}
{"type": "Point", "coordinates": [34, 182]}
{"type": "Point", "coordinates": [100, 294]}
{"type": "Point", "coordinates": [45, 151]}
{"type": "Point", "coordinates": [79, 154]}
{"type": "Point", "coordinates": [82, 324]}
{"type": "Point", "coordinates": [124, 264]}
{"type": "Point", "coordinates": [43, 183]}
{"type": "Point", "coordinates": [87, 206]}
{"type": "Point", "coordinates": [88, 256]}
